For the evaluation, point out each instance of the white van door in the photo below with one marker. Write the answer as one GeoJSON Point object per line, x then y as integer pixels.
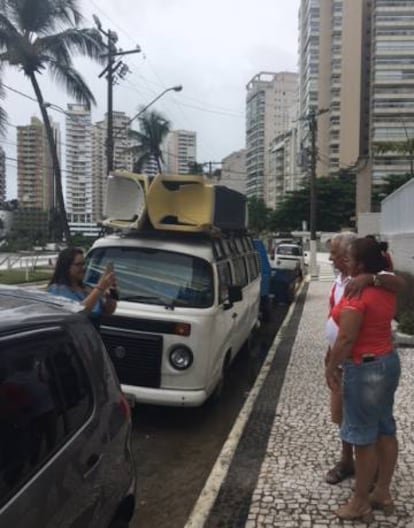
{"type": "Point", "coordinates": [243, 308]}
{"type": "Point", "coordinates": [225, 330]}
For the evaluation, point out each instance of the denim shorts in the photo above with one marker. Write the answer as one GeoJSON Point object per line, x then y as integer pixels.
{"type": "Point", "coordinates": [368, 399]}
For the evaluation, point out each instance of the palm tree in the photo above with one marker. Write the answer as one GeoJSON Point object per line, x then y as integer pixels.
{"type": "Point", "coordinates": [40, 35]}
{"type": "Point", "coordinates": [154, 128]}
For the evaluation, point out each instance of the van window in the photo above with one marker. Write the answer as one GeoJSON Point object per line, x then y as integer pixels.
{"type": "Point", "coordinates": [45, 397]}
{"type": "Point", "coordinates": [253, 265]}
{"type": "Point", "coordinates": [225, 280]}
{"type": "Point", "coordinates": [155, 276]}
{"type": "Point", "coordinates": [240, 272]}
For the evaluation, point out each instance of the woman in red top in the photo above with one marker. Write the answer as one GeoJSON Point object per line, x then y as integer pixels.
{"type": "Point", "coordinates": [371, 371]}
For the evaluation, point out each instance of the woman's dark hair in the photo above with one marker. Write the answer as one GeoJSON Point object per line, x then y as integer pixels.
{"type": "Point", "coordinates": [367, 252]}
{"type": "Point", "coordinates": [383, 246]}
{"type": "Point", "coordinates": [64, 261]}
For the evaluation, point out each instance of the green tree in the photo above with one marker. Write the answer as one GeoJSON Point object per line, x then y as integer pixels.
{"type": "Point", "coordinates": [29, 227]}
{"type": "Point", "coordinates": [335, 206]}
{"type": "Point", "coordinates": [195, 168]}
{"type": "Point", "coordinates": [258, 215]}
{"type": "Point", "coordinates": [153, 129]}
{"type": "Point", "coordinates": [404, 148]}
{"type": "Point", "coordinates": [42, 35]}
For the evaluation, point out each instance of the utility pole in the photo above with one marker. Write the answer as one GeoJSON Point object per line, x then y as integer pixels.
{"type": "Point", "coordinates": [110, 70]}
{"type": "Point", "coordinates": [210, 165]}
{"type": "Point", "coordinates": [312, 185]}
{"type": "Point", "coordinates": [311, 118]}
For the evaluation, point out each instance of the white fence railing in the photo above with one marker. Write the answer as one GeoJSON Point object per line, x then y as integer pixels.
{"type": "Point", "coordinates": [397, 226]}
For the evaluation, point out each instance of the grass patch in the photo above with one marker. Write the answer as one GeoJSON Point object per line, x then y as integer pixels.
{"type": "Point", "coordinates": [21, 277]}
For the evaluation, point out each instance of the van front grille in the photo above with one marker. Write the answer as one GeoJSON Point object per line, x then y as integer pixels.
{"type": "Point", "coordinates": [136, 357]}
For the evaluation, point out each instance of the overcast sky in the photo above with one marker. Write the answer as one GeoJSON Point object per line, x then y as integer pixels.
{"type": "Point", "coordinates": [211, 48]}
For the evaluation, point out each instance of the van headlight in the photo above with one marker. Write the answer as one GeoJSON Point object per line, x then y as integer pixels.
{"type": "Point", "coordinates": [181, 357]}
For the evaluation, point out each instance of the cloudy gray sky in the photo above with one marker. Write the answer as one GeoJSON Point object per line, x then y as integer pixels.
{"type": "Point", "coordinates": [211, 48]}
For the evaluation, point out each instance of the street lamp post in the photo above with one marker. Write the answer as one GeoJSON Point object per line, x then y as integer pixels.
{"type": "Point", "coordinates": [177, 88]}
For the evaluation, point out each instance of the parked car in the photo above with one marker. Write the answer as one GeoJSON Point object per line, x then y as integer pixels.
{"type": "Point", "coordinates": [65, 426]}
{"type": "Point", "coordinates": [290, 256]}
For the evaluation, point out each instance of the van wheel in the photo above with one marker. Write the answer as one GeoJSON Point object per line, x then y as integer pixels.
{"type": "Point", "coordinates": [248, 345]}
{"type": "Point", "coordinates": [219, 389]}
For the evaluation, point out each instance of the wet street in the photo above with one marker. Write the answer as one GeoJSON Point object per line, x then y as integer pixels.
{"type": "Point", "coordinates": [175, 448]}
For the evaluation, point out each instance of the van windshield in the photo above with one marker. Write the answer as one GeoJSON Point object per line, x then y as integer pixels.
{"type": "Point", "coordinates": [154, 276]}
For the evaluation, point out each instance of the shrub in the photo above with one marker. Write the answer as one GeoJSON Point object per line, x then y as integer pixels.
{"type": "Point", "coordinates": [405, 299]}
{"type": "Point", "coordinates": [406, 323]}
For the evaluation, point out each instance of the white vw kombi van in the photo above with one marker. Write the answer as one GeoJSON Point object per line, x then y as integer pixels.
{"type": "Point", "coordinates": [188, 302]}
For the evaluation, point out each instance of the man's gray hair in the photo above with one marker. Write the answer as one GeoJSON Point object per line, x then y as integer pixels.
{"type": "Point", "coordinates": [345, 239]}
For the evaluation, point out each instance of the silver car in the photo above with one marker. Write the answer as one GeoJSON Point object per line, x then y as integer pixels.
{"type": "Point", "coordinates": [65, 458]}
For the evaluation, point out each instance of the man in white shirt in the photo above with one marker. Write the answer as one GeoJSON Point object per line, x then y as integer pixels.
{"type": "Point", "coordinates": [338, 248]}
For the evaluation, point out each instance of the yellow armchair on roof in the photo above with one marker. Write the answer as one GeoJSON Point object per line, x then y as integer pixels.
{"type": "Point", "coordinates": [181, 203]}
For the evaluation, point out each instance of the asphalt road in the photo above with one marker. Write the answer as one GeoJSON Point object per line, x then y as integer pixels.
{"type": "Point", "coordinates": [175, 448]}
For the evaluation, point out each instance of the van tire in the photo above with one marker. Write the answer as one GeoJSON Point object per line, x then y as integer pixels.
{"type": "Point", "coordinates": [217, 393]}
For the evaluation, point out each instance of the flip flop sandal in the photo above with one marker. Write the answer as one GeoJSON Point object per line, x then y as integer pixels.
{"type": "Point", "coordinates": [339, 473]}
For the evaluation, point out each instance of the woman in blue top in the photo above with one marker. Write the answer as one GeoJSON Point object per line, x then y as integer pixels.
{"type": "Point", "coordinates": [67, 281]}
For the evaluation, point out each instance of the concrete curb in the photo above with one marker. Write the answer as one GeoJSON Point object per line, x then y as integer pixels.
{"type": "Point", "coordinates": [403, 340]}
{"type": "Point", "coordinates": [208, 495]}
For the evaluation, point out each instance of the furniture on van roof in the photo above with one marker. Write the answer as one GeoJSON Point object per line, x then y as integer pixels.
{"type": "Point", "coordinates": [125, 200]}
{"type": "Point", "coordinates": [183, 203]}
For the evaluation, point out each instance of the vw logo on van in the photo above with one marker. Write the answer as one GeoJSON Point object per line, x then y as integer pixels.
{"type": "Point", "coordinates": [119, 352]}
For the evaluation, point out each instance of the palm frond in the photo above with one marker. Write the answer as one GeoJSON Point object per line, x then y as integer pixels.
{"type": "Point", "coordinates": [3, 114]}
{"type": "Point", "coordinates": [43, 16]}
{"type": "Point", "coordinates": [86, 41]}
{"type": "Point", "coordinates": [67, 11]}
{"type": "Point", "coordinates": [72, 81]}
{"type": "Point", "coordinates": [8, 30]}
{"type": "Point", "coordinates": [31, 16]}
{"type": "Point", "coordinates": [138, 138]}
{"type": "Point", "coordinates": [3, 121]}
{"type": "Point", "coordinates": [141, 160]}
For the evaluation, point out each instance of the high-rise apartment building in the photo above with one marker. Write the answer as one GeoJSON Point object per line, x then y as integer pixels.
{"type": "Point", "coordinates": [79, 185]}
{"type": "Point", "coordinates": [283, 167]}
{"type": "Point", "coordinates": [269, 99]}
{"type": "Point", "coordinates": [334, 73]}
{"type": "Point", "coordinates": [122, 158]}
{"type": "Point", "coordinates": [392, 86]}
{"type": "Point", "coordinates": [181, 151]}
{"type": "Point", "coordinates": [233, 171]}
{"type": "Point", "coordinates": [2, 176]}
{"type": "Point", "coordinates": [35, 183]}
{"type": "Point", "coordinates": [356, 66]}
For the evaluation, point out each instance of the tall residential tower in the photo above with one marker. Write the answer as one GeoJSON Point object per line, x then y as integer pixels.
{"type": "Point", "coordinates": [270, 97]}
{"type": "Point", "coordinates": [35, 183]}
{"type": "Point", "coordinates": [181, 151]}
{"type": "Point", "coordinates": [79, 184]}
